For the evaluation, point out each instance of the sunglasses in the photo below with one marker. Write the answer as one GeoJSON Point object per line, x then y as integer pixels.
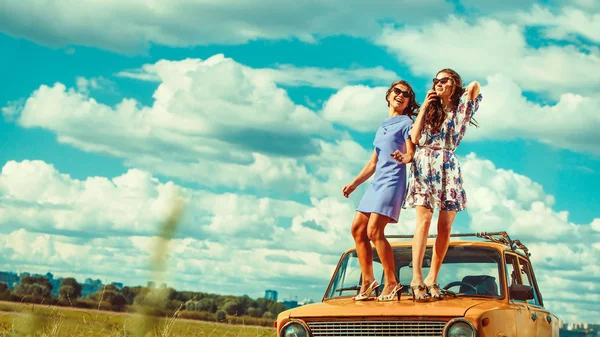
{"type": "Point", "coordinates": [442, 80]}
{"type": "Point", "coordinates": [398, 91]}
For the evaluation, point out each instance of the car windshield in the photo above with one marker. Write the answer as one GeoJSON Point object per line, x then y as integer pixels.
{"type": "Point", "coordinates": [467, 271]}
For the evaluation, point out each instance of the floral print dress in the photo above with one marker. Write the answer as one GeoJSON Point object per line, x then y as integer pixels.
{"type": "Point", "coordinates": [435, 180]}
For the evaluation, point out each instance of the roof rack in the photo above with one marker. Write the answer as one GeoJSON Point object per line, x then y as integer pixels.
{"type": "Point", "coordinates": [497, 237]}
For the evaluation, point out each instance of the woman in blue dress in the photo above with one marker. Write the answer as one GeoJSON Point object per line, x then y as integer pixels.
{"type": "Point", "coordinates": [382, 201]}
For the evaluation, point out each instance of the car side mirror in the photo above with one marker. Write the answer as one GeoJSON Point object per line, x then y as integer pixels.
{"type": "Point", "coordinates": [521, 292]}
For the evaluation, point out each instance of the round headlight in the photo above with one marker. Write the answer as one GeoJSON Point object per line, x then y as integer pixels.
{"type": "Point", "coordinates": [460, 328]}
{"type": "Point", "coordinates": [294, 329]}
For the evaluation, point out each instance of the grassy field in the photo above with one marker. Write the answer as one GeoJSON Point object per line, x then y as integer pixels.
{"type": "Point", "coordinates": [17, 319]}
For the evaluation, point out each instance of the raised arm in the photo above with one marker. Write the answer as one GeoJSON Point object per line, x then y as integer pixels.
{"type": "Point", "coordinates": [415, 133]}
{"type": "Point", "coordinates": [364, 174]}
{"type": "Point", "coordinates": [473, 90]}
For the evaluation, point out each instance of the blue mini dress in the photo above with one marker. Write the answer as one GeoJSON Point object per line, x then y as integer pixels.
{"type": "Point", "coordinates": [386, 192]}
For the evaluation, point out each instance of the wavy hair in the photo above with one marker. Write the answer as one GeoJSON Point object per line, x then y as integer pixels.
{"type": "Point", "coordinates": [412, 109]}
{"type": "Point", "coordinates": [435, 115]}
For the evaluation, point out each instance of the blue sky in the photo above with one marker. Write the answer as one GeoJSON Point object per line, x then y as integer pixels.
{"type": "Point", "coordinates": [258, 118]}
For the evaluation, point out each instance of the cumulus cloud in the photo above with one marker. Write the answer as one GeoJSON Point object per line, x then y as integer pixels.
{"type": "Point", "coordinates": [505, 113]}
{"type": "Point", "coordinates": [468, 48]}
{"type": "Point", "coordinates": [285, 74]}
{"type": "Point", "coordinates": [38, 198]}
{"type": "Point", "coordinates": [132, 28]}
{"type": "Point", "coordinates": [213, 113]}
{"type": "Point", "coordinates": [358, 107]}
{"type": "Point", "coordinates": [564, 25]}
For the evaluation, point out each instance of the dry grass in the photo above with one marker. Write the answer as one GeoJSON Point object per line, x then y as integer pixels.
{"type": "Point", "coordinates": [19, 319]}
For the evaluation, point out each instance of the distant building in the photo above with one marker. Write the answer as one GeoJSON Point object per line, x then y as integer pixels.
{"type": "Point", "coordinates": [10, 279]}
{"type": "Point", "coordinates": [271, 295]}
{"type": "Point", "coordinates": [290, 304]}
{"type": "Point", "coordinates": [151, 284]}
{"type": "Point", "coordinates": [118, 285]}
{"type": "Point", "coordinates": [163, 285]}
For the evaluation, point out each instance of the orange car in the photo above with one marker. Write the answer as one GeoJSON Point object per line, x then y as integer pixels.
{"type": "Point", "coordinates": [492, 291]}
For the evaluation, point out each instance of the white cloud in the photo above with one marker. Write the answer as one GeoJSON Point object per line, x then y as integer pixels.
{"type": "Point", "coordinates": [489, 46]}
{"type": "Point", "coordinates": [562, 26]}
{"type": "Point", "coordinates": [502, 200]}
{"type": "Point", "coordinates": [39, 198]}
{"type": "Point", "coordinates": [213, 112]}
{"type": "Point", "coordinates": [134, 27]}
{"type": "Point", "coordinates": [506, 114]}
{"type": "Point", "coordinates": [358, 107]}
{"type": "Point", "coordinates": [285, 74]}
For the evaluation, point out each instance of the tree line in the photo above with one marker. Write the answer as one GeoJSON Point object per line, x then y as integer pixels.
{"type": "Point", "coordinates": [153, 301]}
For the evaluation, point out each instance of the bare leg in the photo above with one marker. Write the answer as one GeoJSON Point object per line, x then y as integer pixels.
{"type": "Point", "coordinates": [424, 216]}
{"type": "Point", "coordinates": [363, 248]}
{"type": "Point", "coordinates": [440, 247]}
{"type": "Point", "coordinates": [375, 231]}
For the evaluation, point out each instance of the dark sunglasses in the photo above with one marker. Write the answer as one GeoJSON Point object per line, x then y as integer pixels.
{"type": "Point", "coordinates": [443, 80]}
{"type": "Point", "coordinates": [398, 91]}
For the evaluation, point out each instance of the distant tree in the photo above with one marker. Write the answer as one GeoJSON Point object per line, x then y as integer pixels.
{"type": "Point", "coordinates": [69, 288]}
{"type": "Point", "coordinates": [35, 286]}
{"type": "Point", "coordinates": [268, 315]}
{"type": "Point", "coordinates": [233, 307]}
{"type": "Point", "coordinates": [4, 291]}
{"type": "Point", "coordinates": [255, 312]}
{"type": "Point", "coordinates": [130, 293]}
{"type": "Point", "coordinates": [207, 304]}
{"type": "Point", "coordinates": [118, 301]}
{"type": "Point", "coordinates": [221, 316]}
{"type": "Point", "coordinates": [275, 308]}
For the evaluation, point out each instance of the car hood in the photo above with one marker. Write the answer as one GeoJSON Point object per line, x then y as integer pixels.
{"type": "Point", "coordinates": [450, 307]}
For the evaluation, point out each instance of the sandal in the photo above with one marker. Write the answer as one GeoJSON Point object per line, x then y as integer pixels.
{"type": "Point", "coordinates": [365, 294]}
{"type": "Point", "coordinates": [438, 295]}
{"type": "Point", "coordinates": [423, 297]}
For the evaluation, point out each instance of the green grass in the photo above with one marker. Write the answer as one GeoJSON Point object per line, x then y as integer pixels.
{"type": "Point", "coordinates": [19, 319]}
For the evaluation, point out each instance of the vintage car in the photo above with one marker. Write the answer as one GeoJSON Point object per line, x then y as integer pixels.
{"type": "Point", "coordinates": [492, 291]}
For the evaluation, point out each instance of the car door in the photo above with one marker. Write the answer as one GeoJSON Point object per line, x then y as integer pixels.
{"type": "Point", "coordinates": [546, 323]}
{"type": "Point", "coordinates": [524, 313]}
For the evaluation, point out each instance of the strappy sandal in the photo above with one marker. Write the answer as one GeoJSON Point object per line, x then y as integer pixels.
{"type": "Point", "coordinates": [423, 297]}
{"type": "Point", "coordinates": [365, 294]}
{"type": "Point", "coordinates": [390, 297]}
{"type": "Point", "coordinates": [438, 295]}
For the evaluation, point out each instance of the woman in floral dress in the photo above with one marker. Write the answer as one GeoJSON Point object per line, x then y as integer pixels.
{"type": "Point", "coordinates": [435, 180]}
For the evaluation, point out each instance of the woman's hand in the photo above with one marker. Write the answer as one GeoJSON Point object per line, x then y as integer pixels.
{"type": "Point", "coordinates": [349, 189]}
{"type": "Point", "coordinates": [404, 158]}
{"type": "Point", "coordinates": [430, 97]}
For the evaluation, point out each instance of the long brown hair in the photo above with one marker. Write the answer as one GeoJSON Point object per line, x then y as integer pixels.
{"type": "Point", "coordinates": [412, 109]}
{"type": "Point", "coordinates": [435, 115]}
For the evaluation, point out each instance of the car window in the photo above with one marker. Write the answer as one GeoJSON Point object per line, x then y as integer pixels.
{"type": "Point", "coordinates": [347, 280]}
{"type": "Point", "coordinates": [525, 271]}
{"type": "Point", "coordinates": [512, 267]}
{"type": "Point", "coordinates": [467, 270]}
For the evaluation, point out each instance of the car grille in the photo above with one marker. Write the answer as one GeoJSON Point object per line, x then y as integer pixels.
{"type": "Point", "coordinates": [377, 328]}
